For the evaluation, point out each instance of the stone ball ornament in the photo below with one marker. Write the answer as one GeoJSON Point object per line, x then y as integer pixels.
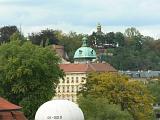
{"type": "Point", "coordinates": [59, 110]}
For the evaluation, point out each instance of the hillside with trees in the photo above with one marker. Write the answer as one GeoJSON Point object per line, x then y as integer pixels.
{"type": "Point", "coordinates": [128, 51]}
{"type": "Point", "coordinates": [125, 51]}
{"type": "Point", "coordinates": [27, 65]}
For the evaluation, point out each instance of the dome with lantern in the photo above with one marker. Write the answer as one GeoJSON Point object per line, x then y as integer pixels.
{"type": "Point", "coordinates": [84, 53]}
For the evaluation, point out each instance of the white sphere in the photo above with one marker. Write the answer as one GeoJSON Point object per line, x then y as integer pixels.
{"type": "Point", "coordinates": [59, 110]}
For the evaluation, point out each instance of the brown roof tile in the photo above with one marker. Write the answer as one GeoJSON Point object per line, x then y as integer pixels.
{"type": "Point", "coordinates": [9, 111]}
{"type": "Point", "coordinates": [103, 67]}
{"type": "Point", "coordinates": [7, 106]}
{"type": "Point", "coordinates": [89, 67]}
{"type": "Point", "coordinates": [15, 115]}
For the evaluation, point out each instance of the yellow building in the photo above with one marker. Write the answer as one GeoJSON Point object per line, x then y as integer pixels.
{"type": "Point", "coordinates": [76, 73]}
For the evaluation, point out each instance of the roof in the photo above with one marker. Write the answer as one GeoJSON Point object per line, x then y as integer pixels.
{"type": "Point", "coordinates": [88, 67]}
{"type": "Point", "coordinates": [85, 52]}
{"type": "Point", "coordinates": [7, 106]}
{"type": "Point", "coordinates": [9, 111]}
{"type": "Point", "coordinates": [141, 74]}
{"type": "Point", "coordinates": [14, 115]}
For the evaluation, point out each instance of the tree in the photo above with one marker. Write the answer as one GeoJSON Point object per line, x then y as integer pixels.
{"type": "Point", "coordinates": [45, 37]}
{"type": "Point", "coordinates": [132, 96]}
{"type": "Point", "coordinates": [29, 74]}
{"type": "Point", "coordinates": [154, 87]}
{"type": "Point", "coordinates": [18, 37]}
{"type": "Point", "coordinates": [100, 109]}
{"type": "Point", "coordinates": [120, 39]}
{"type": "Point", "coordinates": [6, 32]}
{"type": "Point", "coordinates": [71, 43]}
{"type": "Point", "coordinates": [131, 32]}
{"type": "Point", "coordinates": [110, 38]}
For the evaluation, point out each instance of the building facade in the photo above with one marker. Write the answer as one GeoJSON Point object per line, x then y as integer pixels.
{"type": "Point", "coordinates": [76, 73]}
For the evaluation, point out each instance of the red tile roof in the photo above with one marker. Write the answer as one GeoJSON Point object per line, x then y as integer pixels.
{"type": "Point", "coordinates": [89, 67]}
{"type": "Point", "coordinates": [9, 111]}
{"type": "Point", "coordinates": [7, 106]}
{"type": "Point", "coordinates": [16, 115]}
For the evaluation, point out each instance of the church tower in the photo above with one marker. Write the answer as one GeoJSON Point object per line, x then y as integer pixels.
{"type": "Point", "coordinates": [99, 28]}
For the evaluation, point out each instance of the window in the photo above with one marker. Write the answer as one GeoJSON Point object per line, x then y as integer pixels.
{"type": "Point", "coordinates": [63, 89]}
{"type": "Point", "coordinates": [92, 52]}
{"type": "Point", "coordinates": [67, 79]}
{"type": "Point", "coordinates": [76, 79]}
{"type": "Point", "coordinates": [67, 88]}
{"type": "Point", "coordinates": [59, 89]}
{"type": "Point", "coordinates": [72, 81]}
{"type": "Point", "coordinates": [80, 52]}
{"type": "Point", "coordinates": [72, 88]}
{"type": "Point", "coordinates": [83, 79]}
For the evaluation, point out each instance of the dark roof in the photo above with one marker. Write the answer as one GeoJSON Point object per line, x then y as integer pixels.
{"type": "Point", "coordinates": [7, 106]}
{"type": "Point", "coordinates": [141, 74]}
{"type": "Point", "coordinates": [88, 67]}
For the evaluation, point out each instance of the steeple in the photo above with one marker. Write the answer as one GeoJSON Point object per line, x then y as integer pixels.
{"type": "Point", "coordinates": [99, 28]}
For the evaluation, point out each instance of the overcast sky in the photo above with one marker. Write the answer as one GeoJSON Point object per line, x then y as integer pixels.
{"type": "Point", "coordinates": [82, 16]}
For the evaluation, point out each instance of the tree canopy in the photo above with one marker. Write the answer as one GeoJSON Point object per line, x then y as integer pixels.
{"type": "Point", "coordinates": [132, 96]}
{"type": "Point", "coordinates": [6, 32]}
{"type": "Point", "coordinates": [29, 74]}
{"type": "Point", "coordinates": [100, 109]}
{"type": "Point", "coordinates": [44, 38]}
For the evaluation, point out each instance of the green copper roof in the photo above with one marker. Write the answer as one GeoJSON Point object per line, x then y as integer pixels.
{"type": "Point", "coordinates": [85, 52]}
{"type": "Point", "coordinates": [84, 42]}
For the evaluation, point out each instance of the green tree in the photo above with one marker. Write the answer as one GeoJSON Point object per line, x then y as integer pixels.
{"type": "Point", "coordinates": [154, 87]}
{"type": "Point", "coordinates": [18, 37]}
{"type": "Point", "coordinates": [131, 32]}
{"type": "Point", "coordinates": [100, 109]}
{"type": "Point", "coordinates": [120, 39]}
{"type": "Point", "coordinates": [71, 42]}
{"type": "Point", "coordinates": [45, 37]}
{"type": "Point", "coordinates": [29, 75]}
{"type": "Point", "coordinates": [6, 32]}
{"type": "Point", "coordinates": [110, 38]}
{"type": "Point", "coordinates": [132, 96]}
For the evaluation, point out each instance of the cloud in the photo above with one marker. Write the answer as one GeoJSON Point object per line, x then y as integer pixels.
{"type": "Point", "coordinates": [81, 13]}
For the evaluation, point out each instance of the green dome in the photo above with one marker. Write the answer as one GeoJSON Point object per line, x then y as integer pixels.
{"type": "Point", "coordinates": [85, 52]}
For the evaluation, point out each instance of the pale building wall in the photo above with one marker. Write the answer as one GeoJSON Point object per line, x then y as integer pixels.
{"type": "Point", "coordinates": [67, 89]}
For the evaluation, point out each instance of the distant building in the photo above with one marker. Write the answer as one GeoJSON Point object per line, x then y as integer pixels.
{"type": "Point", "coordinates": [85, 62]}
{"type": "Point", "coordinates": [61, 53]}
{"type": "Point", "coordinates": [141, 75]}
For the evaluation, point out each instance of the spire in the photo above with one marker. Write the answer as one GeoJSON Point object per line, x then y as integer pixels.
{"type": "Point", "coordinates": [98, 27]}
{"type": "Point", "coordinates": [84, 42]}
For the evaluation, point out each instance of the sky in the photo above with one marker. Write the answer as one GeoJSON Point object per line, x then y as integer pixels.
{"type": "Point", "coordinates": [82, 16]}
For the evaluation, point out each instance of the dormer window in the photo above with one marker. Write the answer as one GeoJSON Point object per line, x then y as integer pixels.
{"type": "Point", "coordinates": [92, 52]}
{"type": "Point", "coordinates": [80, 52]}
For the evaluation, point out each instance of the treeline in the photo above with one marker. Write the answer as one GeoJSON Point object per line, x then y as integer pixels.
{"type": "Point", "coordinates": [125, 51]}
{"type": "Point", "coordinates": [130, 51]}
